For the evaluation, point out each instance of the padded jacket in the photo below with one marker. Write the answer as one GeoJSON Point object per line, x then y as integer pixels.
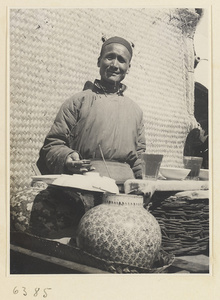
{"type": "Point", "coordinates": [92, 118]}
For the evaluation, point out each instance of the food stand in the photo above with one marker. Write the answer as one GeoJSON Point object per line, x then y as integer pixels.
{"type": "Point", "coordinates": [180, 207]}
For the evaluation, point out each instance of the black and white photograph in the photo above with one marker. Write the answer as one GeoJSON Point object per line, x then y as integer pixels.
{"type": "Point", "coordinates": [109, 157]}
{"type": "Point", "coordinates": [109, 140]}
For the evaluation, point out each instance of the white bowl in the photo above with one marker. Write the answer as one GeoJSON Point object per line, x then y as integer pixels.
{"type": "Point", "coordinates": [204, 174]}
{"type": "Point", "coordinates": [174, 173]}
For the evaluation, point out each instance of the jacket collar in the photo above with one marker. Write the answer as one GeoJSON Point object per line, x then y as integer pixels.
{"type": "Point", "coordinates": [100, 89]}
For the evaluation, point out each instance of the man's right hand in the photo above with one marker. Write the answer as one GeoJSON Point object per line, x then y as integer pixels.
{"type": "Point", "coordinates": [77, 166]}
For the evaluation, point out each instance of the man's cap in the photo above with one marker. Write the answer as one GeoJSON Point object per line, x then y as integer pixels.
{"type": "Point", "coordinates": [118, 40]}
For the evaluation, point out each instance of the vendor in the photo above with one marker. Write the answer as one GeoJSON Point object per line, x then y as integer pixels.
{"type": "Point", "coordinates": [99, 122]}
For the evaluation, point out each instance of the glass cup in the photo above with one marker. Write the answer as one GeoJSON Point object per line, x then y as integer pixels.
{"type": "Point", "coordinates": [150, 165]}
{"type": "Point", "coordinates": [194, 164]}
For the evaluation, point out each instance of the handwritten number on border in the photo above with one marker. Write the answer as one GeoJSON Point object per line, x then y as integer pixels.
{"type": "Point", "coordinates": [15, 290]}
{"type": "Point", "coordinates": [45, 293]}
{"type": "Point", "coordinates": [24, 291]}
{"type": "Point", "coordinates": [37, 291]}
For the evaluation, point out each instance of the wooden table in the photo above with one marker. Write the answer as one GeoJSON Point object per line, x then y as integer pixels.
{"type": "Point", "coordinates": [27, 259]}
{"type": "Point", "coordinates": [165, 185]}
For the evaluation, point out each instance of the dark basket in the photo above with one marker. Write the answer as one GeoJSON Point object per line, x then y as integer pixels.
{"type": "Point", "coordinates": [184, 224]}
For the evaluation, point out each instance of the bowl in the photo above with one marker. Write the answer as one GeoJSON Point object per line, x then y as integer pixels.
{"type": "Point", "coordinates": [204, 174]}
{"type": "Point", "coordinates": [174, 173]}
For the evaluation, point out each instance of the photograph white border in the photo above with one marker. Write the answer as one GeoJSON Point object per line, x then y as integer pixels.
{"type": "Point", "coordinates": [112, 286]}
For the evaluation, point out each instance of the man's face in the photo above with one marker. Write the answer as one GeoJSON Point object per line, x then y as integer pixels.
{"type": "Point", "coordinates": [114, 63]}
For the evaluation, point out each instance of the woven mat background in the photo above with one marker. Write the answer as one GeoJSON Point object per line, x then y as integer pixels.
{"type": "Point", "coordinates": [54, 51]}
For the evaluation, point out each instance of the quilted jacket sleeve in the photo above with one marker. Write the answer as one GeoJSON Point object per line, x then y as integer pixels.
{"type": "Point", "coordinates": [141, 147]}
{"type": "Point", "coordinates": [56, 145]}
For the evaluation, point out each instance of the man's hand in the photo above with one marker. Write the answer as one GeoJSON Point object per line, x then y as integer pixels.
{"type": "Point", "coordinates": [77, 166]}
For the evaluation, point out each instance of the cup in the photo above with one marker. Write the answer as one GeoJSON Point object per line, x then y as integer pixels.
{"type": "Point", "coordinates": [150, 165]}
{"type": "Point", "coordinates": [194, 164]}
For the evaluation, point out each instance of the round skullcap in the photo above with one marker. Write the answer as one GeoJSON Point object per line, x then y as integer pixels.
{"type": "Point", "coordinates": [118, 40]}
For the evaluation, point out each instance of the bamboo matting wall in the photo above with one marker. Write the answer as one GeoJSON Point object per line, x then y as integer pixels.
{"type": "Point", "coordinates": [53, 52]}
